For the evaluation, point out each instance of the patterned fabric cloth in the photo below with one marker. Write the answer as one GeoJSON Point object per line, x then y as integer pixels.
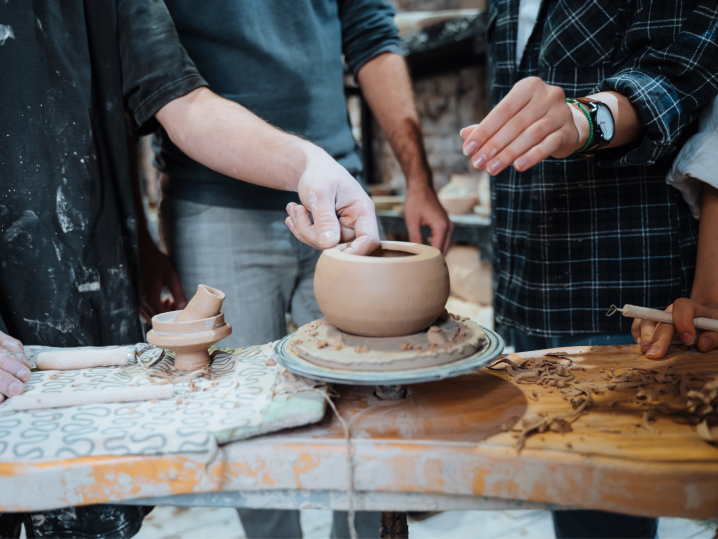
{"type": "Point", "coordinates": [573, 236]}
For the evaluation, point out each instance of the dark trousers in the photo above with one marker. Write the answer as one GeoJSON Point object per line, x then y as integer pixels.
{"type": "Point", "coordinates": [86, 522]}
{"type": "Point", "coordinates": [586, 524]}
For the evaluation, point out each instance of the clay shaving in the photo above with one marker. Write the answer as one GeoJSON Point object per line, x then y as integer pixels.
{"type": "Point", "coordinates": [685, 397]}
{"type": "Point", "coordinates": [548, 372]}
{"type": "Point", "coordinates": [336, 342]}
{"type": "Point", "coordinates": [435, 336]}
{"type": "Point", "coordinates": [697, 404]}
{"type": "Point", "coordinates": [161, 378]}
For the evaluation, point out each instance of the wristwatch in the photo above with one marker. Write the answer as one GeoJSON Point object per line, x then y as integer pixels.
{"type": "Point", "coordinates": [604, 126]}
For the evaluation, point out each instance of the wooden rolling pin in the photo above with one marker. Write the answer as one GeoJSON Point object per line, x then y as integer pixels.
{"type": "Point", "coordinates": [57, 359]}
{"type": "Point", "coordinates": [631, 311]}
{"type": "Point", "coordinates": [40, 401]}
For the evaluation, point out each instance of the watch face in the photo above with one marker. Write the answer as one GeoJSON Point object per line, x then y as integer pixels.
{"type": "Point", "coordinates": [604, 118]}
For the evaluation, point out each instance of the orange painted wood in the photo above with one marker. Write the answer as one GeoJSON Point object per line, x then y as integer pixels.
{"type": "Point", "coordinates": [447, 438]}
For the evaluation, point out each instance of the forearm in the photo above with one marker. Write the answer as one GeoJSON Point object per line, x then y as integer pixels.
{"type": "Point", "coordinates": [386, 86]}
{"type": "Point", "coordinates": [229, 139]}
{"type": "Point", "coordinates": [705, 289]}
{"type": "Point", "coordinates": [628, 124]}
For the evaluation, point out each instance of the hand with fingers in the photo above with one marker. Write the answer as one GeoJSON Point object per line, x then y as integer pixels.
{"type": "Point", "coordinates": [335, 209]}
{"type": "Point", "coordinates": [157, 274]}
{"type": "Point", "coordinates": [531, 123]}
{"type": "Point", "coordinates": [14, 367]}
{"type": "Point", "coordinates": [655, 338]}
{"type": "Point", "coordinates": [422, 208]}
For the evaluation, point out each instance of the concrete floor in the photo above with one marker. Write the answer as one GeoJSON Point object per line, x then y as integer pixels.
{"type": "Point", "coordinates": [223, 523]}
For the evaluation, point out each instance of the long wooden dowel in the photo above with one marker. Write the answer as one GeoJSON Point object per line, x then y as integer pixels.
{"type": "Point", "coordinates": [631, 311]}
{"type": "Point", "coordinates": [40, 401]}
{"type": "Point", "coordinates": [58, 359]}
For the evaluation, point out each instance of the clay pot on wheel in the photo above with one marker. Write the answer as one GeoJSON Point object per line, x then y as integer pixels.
{"type": "Point", "coordinates": [188, 340]}
{"type": "Point", "coordinates": [401, 288]}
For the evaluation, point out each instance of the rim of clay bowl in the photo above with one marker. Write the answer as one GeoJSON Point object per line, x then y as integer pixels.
{"type": "Point", "coordinates": [420, 252]}
{"type": "Point", "coordinates": [188, 339]}
{"type": "Point", "coordinates": [164, 323]}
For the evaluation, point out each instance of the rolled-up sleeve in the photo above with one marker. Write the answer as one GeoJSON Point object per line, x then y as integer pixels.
{"type": "Point", "coordinates": [697, 160]}
{"type": "Point", "coordinates": [368, 30]}
{"type": "Point", "coordinates": [669, 74]}
{"type": "Point", "coordinates": [155, 67]}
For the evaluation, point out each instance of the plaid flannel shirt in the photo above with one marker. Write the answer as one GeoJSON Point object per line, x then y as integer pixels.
{"type": "Point", "coordinates": [573, 236]}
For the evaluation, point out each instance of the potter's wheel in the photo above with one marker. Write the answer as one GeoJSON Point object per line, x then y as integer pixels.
{"type": "Point", "coordinates": [339, 362]}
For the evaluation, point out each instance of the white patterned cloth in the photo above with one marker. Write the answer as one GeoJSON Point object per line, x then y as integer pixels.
{"type": "Point", "coordinates": [229, 405]}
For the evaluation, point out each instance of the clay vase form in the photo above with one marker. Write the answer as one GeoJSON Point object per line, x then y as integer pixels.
{"type": "Point", "coordinates": [188, 340]}
{"type": "Point", "coordinates": [206, 302]}
{"type": "Point", "coordinates": [400, 289]}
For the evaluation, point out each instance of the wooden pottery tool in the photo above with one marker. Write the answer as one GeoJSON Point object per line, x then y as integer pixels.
{"type": "Point", "coordinates": [40, 401]}
{"type": "Point", "coordinates": [631, 311]}
{"type": "Point", "coordinates": [65, 359]}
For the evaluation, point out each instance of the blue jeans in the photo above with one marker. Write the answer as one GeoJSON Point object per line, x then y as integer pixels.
{"type": "Point", "coordinates": [586, 524]}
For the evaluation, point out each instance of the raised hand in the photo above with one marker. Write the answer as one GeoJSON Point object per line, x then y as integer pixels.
{"type": "Point", "coordinates": [341, 210]}
{"type": "Point", "coordinates": [531, 123]}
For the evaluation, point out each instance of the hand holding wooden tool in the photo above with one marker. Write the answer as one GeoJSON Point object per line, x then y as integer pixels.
{"type": "Point", "coordinates": [631, 311]}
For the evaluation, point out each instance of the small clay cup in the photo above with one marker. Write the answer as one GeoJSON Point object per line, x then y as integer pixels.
{"type": "Point", "coordinates": [400, 289]}
{"type": "Point", "coordinates": [206, 302]}
{"type": "Point", "coordinates": [188, 340]}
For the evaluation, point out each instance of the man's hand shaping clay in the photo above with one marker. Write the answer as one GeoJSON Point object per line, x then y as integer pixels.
{"type": "Point", "coordinates": [228, 138]}
{"type": "Point", "coordinates": [14, 367]}
{"type": "Point", "coordinates": [341, 210]}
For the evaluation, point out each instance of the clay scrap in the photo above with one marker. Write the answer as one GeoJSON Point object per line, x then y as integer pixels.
{"type": "Point", "coordinates": [447, 341]}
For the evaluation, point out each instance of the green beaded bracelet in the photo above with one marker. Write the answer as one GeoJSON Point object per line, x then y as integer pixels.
{"type": "Point", "coordinates": [590, 122]}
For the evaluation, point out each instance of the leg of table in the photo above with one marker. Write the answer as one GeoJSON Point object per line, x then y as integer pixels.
{"type": "Point", "coordinates": [394, 525]}
{"type": "Point", "coordinates": [391, 393]}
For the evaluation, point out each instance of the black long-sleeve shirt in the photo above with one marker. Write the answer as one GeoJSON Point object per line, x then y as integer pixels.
{"type": "Point", "coordinates": [281, 59]}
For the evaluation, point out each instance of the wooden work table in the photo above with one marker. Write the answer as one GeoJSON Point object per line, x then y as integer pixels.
{"type": "Point", "coordinates": [446, 446]}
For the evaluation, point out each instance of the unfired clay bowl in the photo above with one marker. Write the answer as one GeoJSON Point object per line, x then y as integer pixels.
{"type": "Point", "coordinates": [188, 340]}
{"type": "Point", "coordinates": [458, 205]}
{"type": "Point", "coordinates": [399, 289]}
